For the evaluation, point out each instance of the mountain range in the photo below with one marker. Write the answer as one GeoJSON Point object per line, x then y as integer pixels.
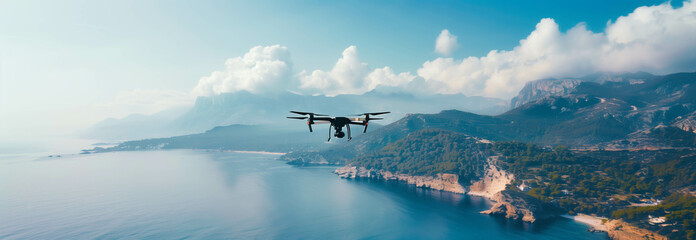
{"type": "Point", "coordinates": [628, 111]}
{"type": "Point", "coordinates": [253, 109]}
{"type": "Point", "coordinates": [634, 111]}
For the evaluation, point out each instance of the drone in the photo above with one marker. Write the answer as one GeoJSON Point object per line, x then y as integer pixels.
{"type": "Point", "coordinates": [337, 123]}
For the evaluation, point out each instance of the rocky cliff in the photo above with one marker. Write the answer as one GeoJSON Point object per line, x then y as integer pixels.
{"type": "Point", "coordinates": [520, 206]}
{"type": "Point", "coordinates": [442, 181]}
{"type": "Point", "coordinates": [543, 88]}
{"type": "Point", "coordinates": [494, 180]}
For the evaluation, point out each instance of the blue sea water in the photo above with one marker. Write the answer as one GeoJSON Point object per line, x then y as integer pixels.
{"type": "Point", "coordinates": [220, 195]}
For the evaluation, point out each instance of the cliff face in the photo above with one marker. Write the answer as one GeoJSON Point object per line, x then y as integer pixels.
{"type": "Point", "coordinates": [493, 181]}
{"type": "Point", "coordinates": [543, 88]}
{"type": "Point", "coordinates": [519, 206]}
{"type": "Point", "coordinates": [443, 181]}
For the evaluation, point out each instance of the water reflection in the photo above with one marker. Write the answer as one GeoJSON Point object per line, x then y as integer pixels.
{"type": "Point", "coordinates": [191, 194]}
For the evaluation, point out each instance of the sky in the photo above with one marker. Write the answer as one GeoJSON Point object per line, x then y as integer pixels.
{"type": "Point", "coordinates": [65, 65]}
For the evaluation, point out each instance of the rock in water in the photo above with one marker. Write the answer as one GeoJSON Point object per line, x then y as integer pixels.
{"type": "Point", "coordinates": [520, 206]}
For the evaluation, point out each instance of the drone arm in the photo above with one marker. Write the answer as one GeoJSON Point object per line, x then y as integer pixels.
{"type": "Point", "coordinates": [330, 126]}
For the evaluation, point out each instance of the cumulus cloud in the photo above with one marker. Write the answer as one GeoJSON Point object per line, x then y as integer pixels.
{"type": "Point", "coordinates": [264, 69]}
{"type": "Point", "coordinates": [350, 76]}
{"type": "Point", "coordinates": [658, 39]}
{"type": "Point", "coordinates": [445, 43]}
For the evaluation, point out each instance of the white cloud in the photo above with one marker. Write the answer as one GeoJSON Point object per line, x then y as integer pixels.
{"type": "Point", "coordinates": [262, 70]}
{"type": "Point", "coordinates": [350, 76]}
{"type": "Point", "coordinates": [658, 39]}
{"type": "Point", "coordinates": [446, 43]}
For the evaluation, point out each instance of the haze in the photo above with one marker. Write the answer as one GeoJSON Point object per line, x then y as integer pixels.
{"type": "Point", "coordinates": [66, 65]}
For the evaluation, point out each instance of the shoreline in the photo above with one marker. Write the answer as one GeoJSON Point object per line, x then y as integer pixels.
{"type": "Point", "coordinates": [260, 152]}
{"type": "Point", "coordinates": [595, 223]}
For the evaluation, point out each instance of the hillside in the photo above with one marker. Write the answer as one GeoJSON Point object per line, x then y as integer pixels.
{"type": "Point", "coordinates": [656, 112]}
{"type": "Point", "coordinates": [429, 152]}
{"type": "Point", "coordinates": [602, 183]}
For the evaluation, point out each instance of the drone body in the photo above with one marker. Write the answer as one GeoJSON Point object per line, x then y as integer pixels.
{"type": "Point", "coordinates": [337, 123]}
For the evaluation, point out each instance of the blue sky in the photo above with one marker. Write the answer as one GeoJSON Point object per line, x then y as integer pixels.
{"type": "Point", "coordinates": [78, 56]}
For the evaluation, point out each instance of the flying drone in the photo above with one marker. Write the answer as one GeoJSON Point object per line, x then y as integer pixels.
{"type": "Point", "coordinates": [337, 123]}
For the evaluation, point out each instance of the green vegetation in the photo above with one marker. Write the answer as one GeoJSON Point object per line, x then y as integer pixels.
{"type": "Point", "coordinates": [674, 136]}
{"type": "Point", "coordinates": [428, 152]}
{"type": "Point", "coordinates": [677, 208]}
{"type": "Point", "coordinates": [606, 182]}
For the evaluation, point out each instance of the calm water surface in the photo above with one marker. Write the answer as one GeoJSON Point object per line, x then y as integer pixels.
{"type": "Point", "coordinates": [202, 195]}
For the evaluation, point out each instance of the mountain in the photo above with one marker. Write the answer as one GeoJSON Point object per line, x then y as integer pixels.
{"type": "Point", "coordinates": [657, 112]}
{"type": "Point", "coordinates": [233, 137]}
{"type": "Point", "coordinates": [134, 126]}
{"type": "Point", "coordinates": [252, 109]}
{"type": "Point", "coordinates": [542, 88]}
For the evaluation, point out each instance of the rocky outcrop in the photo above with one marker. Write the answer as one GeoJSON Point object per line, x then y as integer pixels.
{"type": "Point", "coordinates": [442, 181]}
{"type": "Point", "coordinates": [620, 230]}
{"type": "Point", "coordinates": [494, 180]}
{"type": "Point", "coordinates": [686, 123]}
{"type": "Point", "coordinates": [520, 206]}
{"type": "Point", "coordinates": [543, 88]}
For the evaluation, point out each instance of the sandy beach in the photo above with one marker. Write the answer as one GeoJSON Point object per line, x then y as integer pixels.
{"type": "Point", "coordinates": [594, 222]}
{"type": "Point", "coordinates": [261, 152]}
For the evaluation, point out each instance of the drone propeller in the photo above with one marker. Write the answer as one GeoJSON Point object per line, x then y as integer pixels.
{"type": "Point", "coordinates": [366, 118]}
{"type": "Point", "coordinates": [308, 113]}
{"type": "Point", "coordinates": [371, 114]}
{"type": "Point", "coordinates": [310, 121]}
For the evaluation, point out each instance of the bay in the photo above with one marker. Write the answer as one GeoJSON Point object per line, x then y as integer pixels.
{"type": "Point", "coordinates": [222, 195]}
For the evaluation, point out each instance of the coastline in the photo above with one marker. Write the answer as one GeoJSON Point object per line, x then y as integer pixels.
{"type": "Point", "coordinates": [596, 223]}
{"type": "Point", "coordinates": [260, 152]}
{"type": "Point", "coordinates": [508, 204]}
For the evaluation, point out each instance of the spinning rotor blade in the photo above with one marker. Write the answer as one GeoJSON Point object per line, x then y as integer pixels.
{"type": "Point", "coordinates": [308, 113]}
{"type": "Point", "coordinates": [297, 117]}
{"type": "Point", "coordinates": [301, 113]}
{"type": "Point", "coordinates": [373, 114]}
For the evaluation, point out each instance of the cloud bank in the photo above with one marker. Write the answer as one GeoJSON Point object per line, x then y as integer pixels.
{"type": "Point", "coordinates": [655, 39]}
{"type": "Point", "coordinates": [262, 70]}
{"type": "Point", "coordinates": [659, 39]}
{"type": "Point", "coordinates": [350, 76]}
{"type": "Point", "coordinates": [445, 43]}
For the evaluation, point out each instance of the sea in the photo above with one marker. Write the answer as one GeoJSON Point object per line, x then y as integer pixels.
{"type": "Point", "coordinates": [195, 194]}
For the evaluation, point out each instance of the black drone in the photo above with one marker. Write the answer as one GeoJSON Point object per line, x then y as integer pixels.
{"type": "Point", "coordinates": [338, 122]}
